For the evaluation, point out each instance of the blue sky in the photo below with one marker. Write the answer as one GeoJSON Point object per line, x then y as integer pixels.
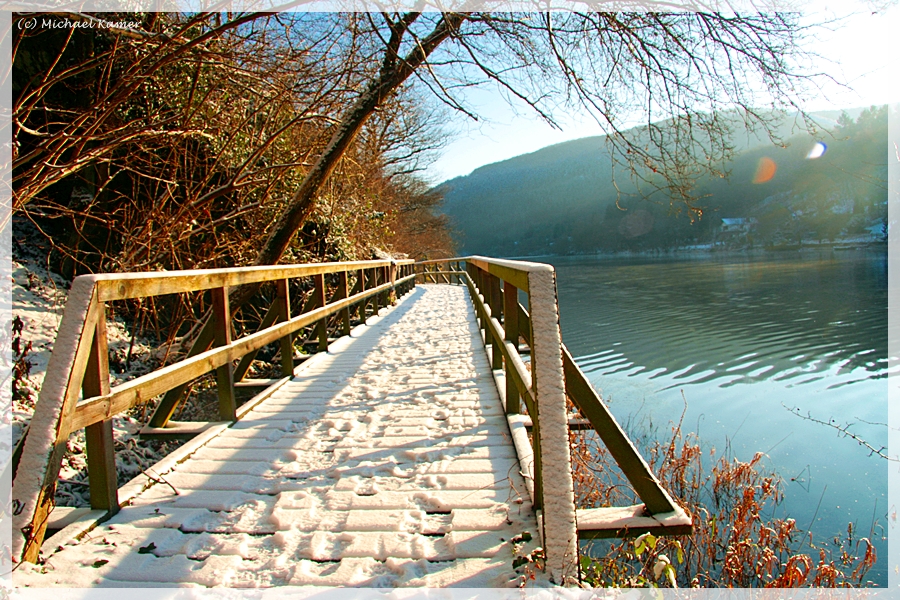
{"type": "Point", "coordinates": [856, 52]}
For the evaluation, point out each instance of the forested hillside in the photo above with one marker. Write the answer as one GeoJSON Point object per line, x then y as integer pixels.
{"type": "Point", "coordinates": [568, 198]}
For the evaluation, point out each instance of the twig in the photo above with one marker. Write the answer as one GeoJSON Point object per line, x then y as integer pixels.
{"type": "Point", "coordinates": [843, 430]}
{"type": "Point", "coordinates": [159, 479]}
{"type": "Point", "coordinates": [815, 514]}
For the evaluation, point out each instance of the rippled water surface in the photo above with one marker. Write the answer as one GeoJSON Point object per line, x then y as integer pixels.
{"type": "Point", "coordinates": [744, 340]}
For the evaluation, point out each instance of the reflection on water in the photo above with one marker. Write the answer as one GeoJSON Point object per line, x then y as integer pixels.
{"type": "Point", "coordinates": [745, 321]}
{"type": "Point", "coordinates": [744, 339]}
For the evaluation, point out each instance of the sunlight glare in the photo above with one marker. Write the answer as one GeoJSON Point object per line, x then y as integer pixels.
{"type": "Point", "coordinates": [818, 150]}
{"type": "Point", "coordinates": [765, 170]}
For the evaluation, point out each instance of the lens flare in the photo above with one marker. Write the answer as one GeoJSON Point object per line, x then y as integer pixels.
{"type": "Point", "coordinates": [818, 150]}
{"type": "Point", "coordinates": [765, 170]}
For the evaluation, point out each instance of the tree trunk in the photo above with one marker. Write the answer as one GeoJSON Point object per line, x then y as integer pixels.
{"type": "Point", "coordinates": [394, 71]}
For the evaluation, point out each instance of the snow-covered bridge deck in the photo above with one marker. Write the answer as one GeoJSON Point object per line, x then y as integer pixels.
{"type": "Point", "coordinates": [389, 460]}
{"type": "Point", "coordinates": [385, 462]}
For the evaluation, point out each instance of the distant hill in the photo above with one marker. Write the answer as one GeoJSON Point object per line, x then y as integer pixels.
{"type": "Point", "coordinates": [561, 199]}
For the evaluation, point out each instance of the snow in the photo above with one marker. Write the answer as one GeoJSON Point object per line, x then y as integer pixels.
{"type": "Point", "coordinates": [386, 463]}
{"type": "Point", "coordinates": [38, 299]}
{"type": "Point", "coordinates": [41, 442]}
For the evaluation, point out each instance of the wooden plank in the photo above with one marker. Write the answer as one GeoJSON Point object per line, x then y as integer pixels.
{"type": "Point", "coordinates": [583, 395]}
{"type": "Point", "coordinates": [221, 318]}
{"type": "Point", "coordinates": [630, 521]}
{"type": "Point", "coordinates": [143, 285]}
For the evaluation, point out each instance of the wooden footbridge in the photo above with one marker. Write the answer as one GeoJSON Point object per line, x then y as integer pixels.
{"type": "Point", "coordinates": [400, 454]}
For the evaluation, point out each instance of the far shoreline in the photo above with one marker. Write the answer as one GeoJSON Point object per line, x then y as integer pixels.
{"type": "Point", "coordinates": [709, 251]}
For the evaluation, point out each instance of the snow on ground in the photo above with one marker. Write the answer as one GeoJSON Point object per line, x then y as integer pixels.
{"type": "Point", "coordinates": [386, 462]}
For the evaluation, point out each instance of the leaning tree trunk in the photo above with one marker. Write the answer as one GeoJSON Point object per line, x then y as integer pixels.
{"type": "Point", "coordinates": [394, 71]}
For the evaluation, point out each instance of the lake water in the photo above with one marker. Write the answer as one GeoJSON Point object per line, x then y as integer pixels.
{"type": "Point", "coordinates": [744, 339]}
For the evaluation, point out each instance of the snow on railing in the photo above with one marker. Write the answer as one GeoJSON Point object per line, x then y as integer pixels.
{"type": "Point", "coordinates": [76, 391]}
{"type": "Point", "coordinates": [494, 286]}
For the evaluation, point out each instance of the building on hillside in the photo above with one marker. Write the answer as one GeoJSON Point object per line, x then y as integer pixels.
{"type": "Point", "coordinates": [737, 225]}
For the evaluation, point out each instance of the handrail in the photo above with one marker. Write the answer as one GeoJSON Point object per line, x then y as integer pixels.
{"type": "Point", "coordinates": [543, 390]}
{"type": "Point", "coordinates": [76, 392]}
{"type": "Point", "coordinates": [494, 286]}
{"type": "Point", "coordinates": [122, 286]}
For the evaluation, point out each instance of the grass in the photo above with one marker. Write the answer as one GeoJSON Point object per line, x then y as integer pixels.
{"type": "Point", "coordinates": [737, 540]}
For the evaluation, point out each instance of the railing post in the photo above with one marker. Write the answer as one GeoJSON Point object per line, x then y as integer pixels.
{"type": "Point", "coordinates": [101, 456]}
{"type": "Point", "coordinates": [344, 292]}
{"type": "Point", "coordinates": [552, 437]}
{"type": "Point", "coordinates": [225, 373]}
{"type": "Point", "coordinates": [393, 292]}
{"type": "Point", "coordinates": [321, 325]}
{"type": "Point", "coordinates": [361, 307]}
{"type": "Point", "coordinates": [479, 288]}
{"type": "Point", "coordinates": [33, 489]}
{"type": "Point", "coordinates": [496, 303]}
{"type": "Point", "coordinates": [376, 303]}
{"type": "Point", "coordinates": [287, 342]}
{"type": "Point", "coordinates": [484, 290]}
{"type": "Point", "coordinates": [511, 330]}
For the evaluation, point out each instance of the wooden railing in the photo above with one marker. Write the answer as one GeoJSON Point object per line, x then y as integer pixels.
{"type": "Point", "coordinates": [535, 398]}
{"type": "Point", "coordinates": [76, 392]}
